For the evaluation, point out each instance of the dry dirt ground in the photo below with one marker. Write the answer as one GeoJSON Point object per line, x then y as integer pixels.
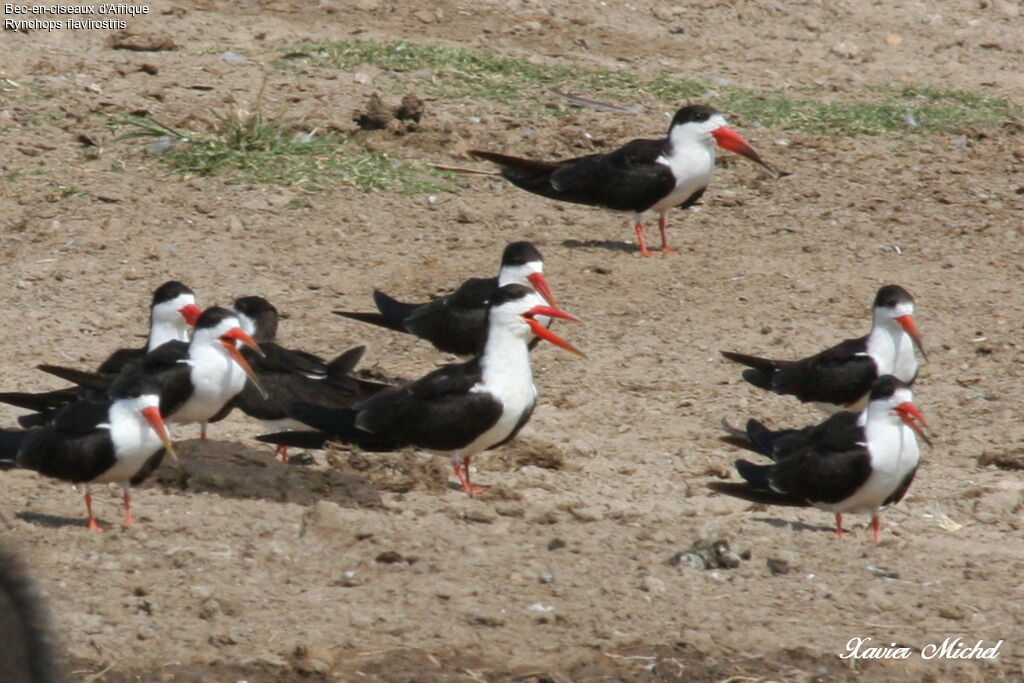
{"type": "Point", "coordinates": [562, 572]}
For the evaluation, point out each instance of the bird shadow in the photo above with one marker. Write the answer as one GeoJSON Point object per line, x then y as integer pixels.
{"type": "Point", "coordinates": [795, 526]}
{"type": "Point", "coordinates": [610, 245]}
{"type": "Point", "coordinates": [51, 521]}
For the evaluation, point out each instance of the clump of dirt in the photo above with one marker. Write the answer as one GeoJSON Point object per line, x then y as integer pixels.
{"type": "Point", "coordinates": [1011, 459]}
{"type": "Point", "coordinates": [235, 471]}
{"type": "Point", "coordinates": [526, 451]}
{"type": "Point", "coordinates": [399, 472]}
{"type": "Point", "coordinates": [399, 119]}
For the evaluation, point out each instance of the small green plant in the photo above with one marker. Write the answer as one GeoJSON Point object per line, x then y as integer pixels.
{"type": "Point", "coordinates": [245, 146]}
{"type": "Point", "coordinates": [478, 75]}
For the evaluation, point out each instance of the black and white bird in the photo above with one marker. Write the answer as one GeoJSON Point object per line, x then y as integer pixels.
{"type": "Point", "coordinates": [290, 376]}
{"type": "Point", "coordinates": [850, 463]}
{"type": "Point", "coordinates": [841, 377]}
{"type": "Point", "coordinates": [457, 323]}
{"type": "Point", "coordinates": [121, 440]}
{"type": "Point", "coordinates": [646, 174]}
{"type": "Point", "coordinates": [462, 409]}
{"type": "Point", "coordinates": [172, 315]}
{"type": "Point", "coordinates": [197, 380]}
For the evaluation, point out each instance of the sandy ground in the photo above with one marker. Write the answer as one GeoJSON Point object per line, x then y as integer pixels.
{"type": "Point", "coordinates": [562, 572]}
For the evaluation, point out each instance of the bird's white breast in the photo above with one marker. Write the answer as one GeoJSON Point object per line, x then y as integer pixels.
{"type": "Point", "coordinates": [216, 379]}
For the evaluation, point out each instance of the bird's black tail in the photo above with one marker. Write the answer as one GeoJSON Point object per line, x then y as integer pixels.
{"type": "Point", "coordinates": [90, 380]}
{"type": "Point", "coordinates": [346, 362]}
{"type": "Point", "coordinates": [761, 369]}
{"type": "Point", "coordinates": [529, 174]}
{"type": "Point", "coordinates": [10, 444]}
{"type": "Point", "coordinates": [745, 491]}
{"type": "Point", "coordinates": [312, 440]}
{"type": "Point", "coordinates": [38, 402]}
{"type": "Point", "coordinates": [392, 313]}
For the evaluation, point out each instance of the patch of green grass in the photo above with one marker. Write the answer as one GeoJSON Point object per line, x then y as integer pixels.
{"type": "Point", "coordinates": [246, 147]}
{"type": "Point", "coordinates": [478, 75]}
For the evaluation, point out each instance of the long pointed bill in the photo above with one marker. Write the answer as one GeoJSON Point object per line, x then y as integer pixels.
{"type": "Point", "coordinates": [541, 286]}
{"type": "Point", "coordinates": [153, 417]}
{"type": "Point", "coordinates": [229, 340]}
{"type": "Point", "coordinates": [547, 335]}
{"type": "Point", "coordinates": [907, 321]}
{"type": "Point", "coordinates": [191, 314]}
{"type": "Point", "coordinates": [913, 418]}
{"type": "Point", "coordinates": [729, 139]}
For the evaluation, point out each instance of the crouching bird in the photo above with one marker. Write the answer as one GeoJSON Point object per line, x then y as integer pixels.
{"type": "Point", "coordinates": [462, 408]}
{"type": "Point", "coordinates": [119, 439]}
{"type": "Point", "coordinates": [850, 463]}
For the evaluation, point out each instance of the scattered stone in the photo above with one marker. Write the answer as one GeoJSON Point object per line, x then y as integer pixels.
{"type": "Point", "coordinates": [705, 554]}
{"type": "Point", "coordinates": [777, 566]}
{"type": "Point", "coordinates": [491, 620]}
{"type": "Point", "coordinates": [146, 631]}
{"type": "Point", "coordinates": [846, 50]}
{"type": "Point", "coordinates": [556, 544]}
{"type": "Point", "coordinates": [652, 584]}
{"type": "Point", "coordinates": [952, 612]}
{"type": "Point", "coordinates": [349, 579]}
{"type": "Point", "coordinates": [210, 609]}
{"type": "Point", "coordinates": [390, 557]}
{"type": "Point", "coordinates": [883, 573]}
{"type": "Point", "coordinates": [545, 577]}
{"type": "Point", "coordinates": [142, 42]}
{"type": "Point", "coordinates": [893, 39]}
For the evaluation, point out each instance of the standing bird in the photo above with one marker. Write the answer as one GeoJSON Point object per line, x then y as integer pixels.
{"type": "Point", "coordinates": [291, 376]}
{"type": "Point", "coordinates": [121, 439]}
{"type": "Point", "coordinates": [462, 409]}
{"type": "Point", "coordinates": [643, 174]}
{"type": "Point", "coordinates": [848, 464]}
{"type": "Point", "coordinates": [457, 323]}
{"type": "Point", "coordinates": [197, 380]}
{"type": "Point", "coordinates": [843, 374]}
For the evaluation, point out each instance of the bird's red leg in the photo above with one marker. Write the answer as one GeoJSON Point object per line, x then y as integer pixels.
{"type": "Point", "coordinates": [282, 452]}
{"type": "Point", "coordinates": [840, 531]}
{"type": "Point", "coordinates": [202, 431]}
{"type": "Point", "coordinates": [93, 523]}
{"type": "Point", "coordinates": [665, 249]}
{"type": "Point", "coordinates": [128, 519]}
{"type": "Point", "coordinates": [640, 241]}
{"type": "Point", "coordinates": [461, 468]}
{"type": "Point", "coordinates": [876, 528]}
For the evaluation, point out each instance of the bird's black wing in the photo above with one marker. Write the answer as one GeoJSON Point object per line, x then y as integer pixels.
{"type": "Point", "coordinates": [117, 361]}
{"type": "Point", "coordinates": [628, 179]}
{"type": "Point", "coordinates": [74, 447]}
{"type": "Point", "coordinates": [437, 411]}
{"type": "Point", "coordinates": [842, 375]}
{"type": "Point", "coordinates": [819, 475]}
{"type": "Point", "coordinates": [456, 323]}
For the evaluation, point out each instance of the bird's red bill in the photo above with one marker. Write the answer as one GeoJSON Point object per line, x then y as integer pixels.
{"type": "Point", "coordinates": [540, 284]}
{"type": "Point", "coordinates": [229, 339]}
{"type": "Point", "coordinates": [913, 418]}
{"type": "Point", "coordinates": [156, 421]}
{"type": "Point", "coordinates": [908, 324]}
{"type": "Point", "coordinates": [729, 139]}
{"type": "Point", "coordinates": [191, 314]}
{"type": "Point", "coordinates": [547, 335]}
